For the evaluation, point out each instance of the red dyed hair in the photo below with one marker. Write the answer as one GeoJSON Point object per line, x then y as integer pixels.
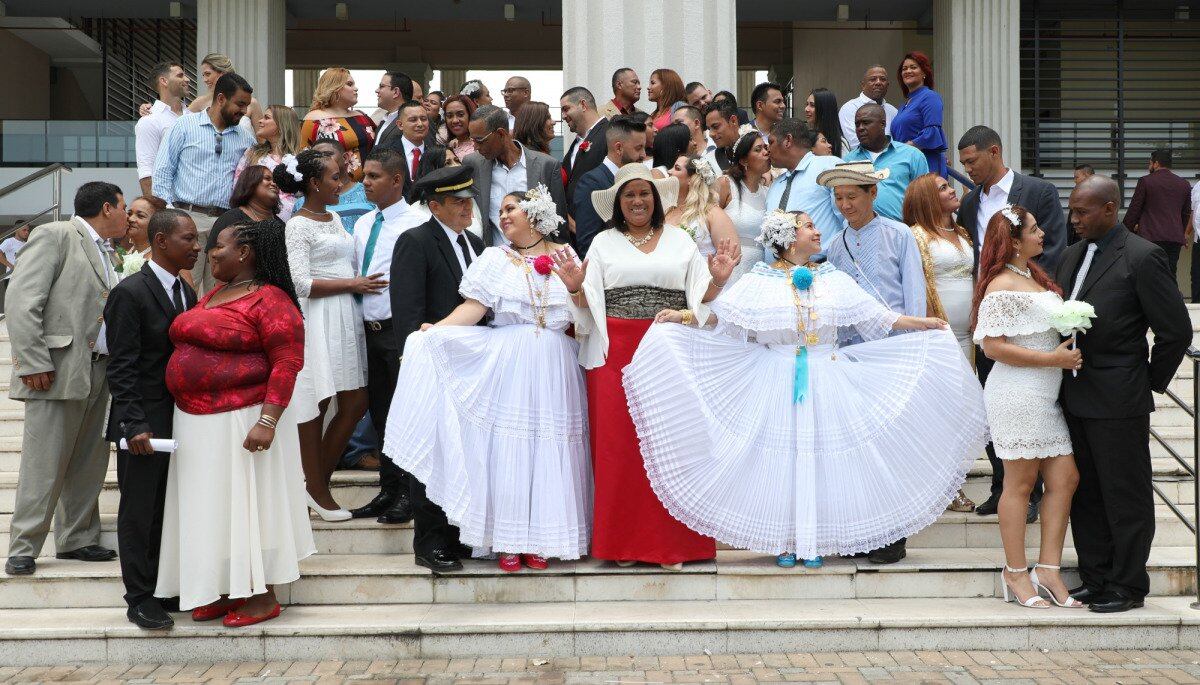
{"type": "Point", "coordinates": [922, 61]}
{"type": "Point", "coordinates": [997, 251]}
{"type": "Point", "coordinates": [670, 89]}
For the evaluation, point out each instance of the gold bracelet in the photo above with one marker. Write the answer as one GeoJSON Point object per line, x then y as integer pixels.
{"type": "Point", "coordinates": [688, 317]}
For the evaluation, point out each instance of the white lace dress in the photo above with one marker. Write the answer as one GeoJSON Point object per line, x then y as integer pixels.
{"type": "Point", "coordinates": [1022, 402]}
{"type": "Point", "coordinates": [493, 420]}
{"type": "Point", "coordinates": [952, 272]}
{"type": "Point", "coordinates": [746, 209]}
{"type": "Point", "coordinates": [335, 349]}
{"type": "Point", "coordinates": [874, 449]}
{"type": "Point", "coordinates": [698, 229]}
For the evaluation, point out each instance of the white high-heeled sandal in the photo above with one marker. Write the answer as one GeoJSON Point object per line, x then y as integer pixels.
{"type": "Point", "coordinates": [1010, 595]}
{"type": "Point", "coordinates": [330, 515]}
{"type": "Point", "coordinates": [1071, 602]}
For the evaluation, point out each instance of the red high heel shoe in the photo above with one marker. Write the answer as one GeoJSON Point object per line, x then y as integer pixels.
{"type": "Point", "coordinates": [510, 563]}
{"type": "Point", "coordinates": [236, 620]}
{"type": "Point", "coordinates": [535, 562]}
{"type": "Point", "coordinates": [217, 609]}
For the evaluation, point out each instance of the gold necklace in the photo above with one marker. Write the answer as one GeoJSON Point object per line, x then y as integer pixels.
{"type": "Point", "coordinates": [638, 242]}
{"type": "Point", "coordinates": [537, 301]}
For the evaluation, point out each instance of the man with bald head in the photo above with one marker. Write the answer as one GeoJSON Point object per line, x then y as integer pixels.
{"type": "Point", "coordinates": [903, 162]}
{"type": "Point", "coordinates": [516, 93]}
{"type": "Point", "coordinates": [874, 90]}
{"type": "Point", "coordinates": [1107, 405]}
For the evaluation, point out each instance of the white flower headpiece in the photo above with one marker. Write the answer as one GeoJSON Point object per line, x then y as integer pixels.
{"type": "Point", "coordinates": [747, 128]}
{"type": "Point", "coordinates": [705, 169]}
{"type": "Point", "coordinates": [541, 210]}
{"type": "Point", "coordinates": [778, 228]}
{"type": "Point", "coordinates": [292, 165]}
{"type": "Point", "coordinates": [1012, 217]}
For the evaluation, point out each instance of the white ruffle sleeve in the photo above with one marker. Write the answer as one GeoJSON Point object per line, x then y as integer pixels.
{"type": "Point", "coordinates": [1007, 313]}
{"type": "Point", "coordinates": [496, 280]}
{"type": "Point", "coordinates": [591, 322]}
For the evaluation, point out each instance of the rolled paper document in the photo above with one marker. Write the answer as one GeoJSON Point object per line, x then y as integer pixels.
{"type": "Point", "coordinates": [157, 444]}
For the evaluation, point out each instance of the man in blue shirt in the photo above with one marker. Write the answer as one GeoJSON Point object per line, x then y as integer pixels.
{"type": "Point", "coordinates": [903, 162]}
{"type": "Point", "coordinates": [796, 190]}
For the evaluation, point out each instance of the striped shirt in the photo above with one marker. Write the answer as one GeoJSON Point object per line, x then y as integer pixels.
{"type": "Point", "coordinates": [189, 170]}
{"type": "Point", "coordinates": [882, 257]}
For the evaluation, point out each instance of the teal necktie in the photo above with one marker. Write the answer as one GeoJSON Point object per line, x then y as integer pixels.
{"type": "Point", "coordinates": [376, 227]}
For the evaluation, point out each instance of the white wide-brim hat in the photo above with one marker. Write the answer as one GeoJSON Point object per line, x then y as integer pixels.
{"type": "Point", "coordinates": [605, 200]}
{"type": "Point", "coordinates": [852, 174]}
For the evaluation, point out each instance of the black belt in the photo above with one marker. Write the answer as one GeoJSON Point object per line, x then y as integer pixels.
{"type": "Point", "coordinates": [200, 209]}
{"type": "Point", "coordinates": [98, 356]}
{"type": "Point", "coordinates": [378, 326]}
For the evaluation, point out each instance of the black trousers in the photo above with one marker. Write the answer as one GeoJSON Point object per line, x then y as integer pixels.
{"type": "Point", "coordinates": [1112, 515]}
{"type": "Point", "coordinates": [1195, 272]}
{"type": "Point", "coordinates": [983, 366]}
{"type": "Point", "coordinates": [1172, 250]}
{"type": "Point", "coordinates": [143, 483]}
{"type": "Point", "coordinates": [383, 365]}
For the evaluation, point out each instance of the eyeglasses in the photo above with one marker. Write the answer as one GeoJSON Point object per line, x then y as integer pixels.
{"type": "Point", "coordinates": [510, 91]}
{"type": "Point", "coordinates": [479, 141]}
{"type": "Point", "coordinates": [219, 139]}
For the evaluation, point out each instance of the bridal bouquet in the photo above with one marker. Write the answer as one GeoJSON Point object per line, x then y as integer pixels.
{"type": "Point", "coordinates": [1071, 318]}
{"type": "Point", "coordinates": [131, 263]}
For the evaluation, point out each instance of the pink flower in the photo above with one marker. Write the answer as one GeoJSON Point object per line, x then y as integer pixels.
{"type": "Point", "coordinates": [543, 264]}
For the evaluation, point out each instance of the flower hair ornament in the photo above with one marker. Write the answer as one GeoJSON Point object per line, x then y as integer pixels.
{"type": "Point", "coordinates": [1011, 216]}
{"type": "Point", "coordinates": [705, 169]}
{"type": "Point", "coordinates": [747, 128]}
{"type": "Point", "coordinates": [541, 210]}
{"type": "Point", "coordinates": [292, 165]}
{"type": "Point", "coordinates": [778, 228]}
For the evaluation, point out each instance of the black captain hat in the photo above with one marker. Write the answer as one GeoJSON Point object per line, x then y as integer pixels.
{"type": "Point", "coordinates": [457, 181]}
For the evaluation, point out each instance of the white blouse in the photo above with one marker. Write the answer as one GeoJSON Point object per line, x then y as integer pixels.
{"type": "Point", "coordinates": [613, 262]}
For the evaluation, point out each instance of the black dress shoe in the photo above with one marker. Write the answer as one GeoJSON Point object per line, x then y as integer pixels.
{"type": "Point", "coordinates": [890, 554]}
{"type": "Point", "coordinates": [1086, 595]}
{"type": "Point", "coordinates": [1031, 514]}
{"type": "Point", "coordinates": [171, 605]}
{"type": "Point", "coordinates": [1113, 603]}
{"type": "Point", "coordinates": [149, 615]}
{"type": "Point", "coordinates": [382, 502]}
{"type": "Point", "coordinates": [89, 553]}
{"type": "Point", "coordinates": [20, 566]}
{"type": "Point", "coordinates": [439, 561]}
{"type": "Point", "coordinates": [399, 512]}
{"type": "Point", "coordinates": [465, 551]}
{"type": "Point", "coordinates": [988, 508]}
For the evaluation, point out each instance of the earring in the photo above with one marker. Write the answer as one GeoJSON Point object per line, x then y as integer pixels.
{"type": "Point", "coordinates": [241, 259]}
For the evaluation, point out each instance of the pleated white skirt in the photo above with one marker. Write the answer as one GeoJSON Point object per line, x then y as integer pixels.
{"type": "Point", "coordinates": [876, 450]}
{"type": "Point", "coordinates": [234, 521]}
{"type": "Point", "coordinates": [494, 422]}
{"type": "Point", "coordinates": [335, 353]}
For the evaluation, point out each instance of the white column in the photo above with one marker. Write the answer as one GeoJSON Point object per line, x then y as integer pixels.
{"type": "Point", "coordinates": [304, 84]}
{"type": "Point", "coordinates": [697, 38]}
{"type": "Point", "coordinates": [977, 67]}
{"type": "Point", "coordinates": [252, 34]}
{"type": "Point", "coordinates": [453, 80]}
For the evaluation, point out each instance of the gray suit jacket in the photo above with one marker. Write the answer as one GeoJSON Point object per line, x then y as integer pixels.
{"type": "Point", "coordinates": [539, 168]}
{"type": "Point", "coordinates": [1037, 195]}
{"type": "Point", "coordinates": [55, 305]}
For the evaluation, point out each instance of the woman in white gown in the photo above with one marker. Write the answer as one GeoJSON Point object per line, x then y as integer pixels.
{"type": "Point", "coordinates": [696, 210]}
{"type": "Point", "coordinates": [742, 193]}
{"type": "Point", "coordinates": [766, 435]}
{"type": "Point", "coordinates": [494, 419]}
{"type": "Point", "coordinates": [1015, 302]}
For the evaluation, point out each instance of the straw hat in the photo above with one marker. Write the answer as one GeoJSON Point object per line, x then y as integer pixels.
{"type": "Point", "coordinates": [852, 174]}
{"type": "Point", "coordinates": [605, 200]}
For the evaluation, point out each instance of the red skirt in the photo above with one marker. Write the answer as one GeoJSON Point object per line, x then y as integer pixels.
{"type": "Point", "coordinates": [630, 523]}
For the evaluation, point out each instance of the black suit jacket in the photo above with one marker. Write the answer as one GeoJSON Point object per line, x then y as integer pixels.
{"type": "Point", "coordinates": [1038, 196]}
{"type": "Point", "coordinates": [586, 160]}
{"type": "Point", "coordinates": [424, 279]}
{"type": "Point", "coordinates": [433, 157]}
{"type": "Point", "coordinates": [138, 314]}
{"type": "Point", "coordinates": [587, 222]}
{"type": "Point", "coordinates": [1132, 289]}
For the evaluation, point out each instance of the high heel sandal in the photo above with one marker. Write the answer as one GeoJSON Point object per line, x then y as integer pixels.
{"type": "Point", "coordinates": [961, 503]}
{"type": "Point", "coordinates": [1071, 602]}
{"type": "Point", "coordinates": [1010, 595]}
{"type": "Point", "coordinates": [330, 515]}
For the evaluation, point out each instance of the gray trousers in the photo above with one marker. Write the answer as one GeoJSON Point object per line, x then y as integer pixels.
{"type": "Point", "coordinates": [202, 273]}
{"type": "Point", "coordinates": [63, 461]}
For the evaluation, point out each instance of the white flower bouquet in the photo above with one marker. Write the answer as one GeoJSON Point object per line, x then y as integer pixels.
{"type": "Point", "coordinates": [131, 263]}
{"type": "Point", "coordinates": [1071, 318]}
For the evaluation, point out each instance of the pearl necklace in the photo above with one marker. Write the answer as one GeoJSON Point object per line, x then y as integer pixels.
{"type": "Point", "coordinates": [638, 242]}
{"type": "Point", "coordinates": [1027, 273]}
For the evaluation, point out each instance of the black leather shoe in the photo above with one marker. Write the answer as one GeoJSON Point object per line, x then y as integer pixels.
{"type": "Point", "coordinates": [382, 502]}
{"type": "Point", "coordinates": [89, 553]}
{"type": "Point", "coordinates": [439, 561]}
{"type": "Point", "coordinates": [1086, 595]}
{"type": "Point", "coordinates": [465, 551]}
{"type": "Point", "coordinates": [988, 508]}
{"type": "Point", "coordinates": [149, 615]}
{"type": "Point", "coordinates": [170, 606]}
{"type": "Point", "coordinates": [399, 512]}
{"type": "Point", "coordinates": [20, 566]}
{"type": "Point", "coordinates": [1031, 515]}
{"type": "Point", "coordinates": [890, 554]}
{"type": "Point", "coordinates": [1112, 604]}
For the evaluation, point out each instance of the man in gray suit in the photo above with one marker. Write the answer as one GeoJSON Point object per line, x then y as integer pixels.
{"type": "Point", "coordinates": [501, 165]}
{"type": "Point", "coordinates": [56, 327]}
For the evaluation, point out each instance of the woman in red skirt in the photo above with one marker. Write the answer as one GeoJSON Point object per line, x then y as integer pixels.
{"type": "Point", "coordinates": [635, 268]}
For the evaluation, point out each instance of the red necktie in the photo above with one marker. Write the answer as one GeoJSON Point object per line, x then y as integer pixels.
{"type": "Point", "coordinates": [416, 161]}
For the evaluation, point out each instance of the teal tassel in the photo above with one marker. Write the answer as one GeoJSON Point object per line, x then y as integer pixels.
{"type": "Point", "coordinates": [800, 383]}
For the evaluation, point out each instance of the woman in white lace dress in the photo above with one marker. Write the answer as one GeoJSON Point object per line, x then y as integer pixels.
{"type": "Point", "coordinates": [766, 435]}
{"type": "Point", "coordinates": [742, 193]}
{"type": "Point", "coordinates": [1014, 304]}
{"type": "Point", "coordinates": [321, 256]}
{"type": "Point", "coordinates": [696, 210]}
{"type": "Point", "coordinates": [493, 420]}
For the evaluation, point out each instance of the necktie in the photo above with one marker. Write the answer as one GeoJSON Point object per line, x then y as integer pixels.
{"type": "Point", "coordinates": [462, 244]}
{"type": "Point", "coordinates": [569, 160]}
{"type": "Point", "coordinates": [177, 296]}
{"type": "Point", "coordinates": [787, 191]}
{"type": "Point", "coordinates": [105, 262]}
{"type": "Point", "coordinates": [416, 161]}
{"type": "Point", "coordinates": [1083, 270]}
{"type": "Point", "coordinates": [369, 252]}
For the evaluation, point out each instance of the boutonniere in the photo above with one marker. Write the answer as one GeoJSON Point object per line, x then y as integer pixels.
{"type": "Point", "coordinates": [587, 145]}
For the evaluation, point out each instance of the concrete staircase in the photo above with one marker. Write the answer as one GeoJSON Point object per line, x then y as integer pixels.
{"type": "Point", "coordinates": [363, 597]}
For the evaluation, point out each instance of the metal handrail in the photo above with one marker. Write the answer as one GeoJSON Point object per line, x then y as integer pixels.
{"type": "Point", "coordinates": [35, 176]}
{"type": "Point", "coordinates": [54, 171]}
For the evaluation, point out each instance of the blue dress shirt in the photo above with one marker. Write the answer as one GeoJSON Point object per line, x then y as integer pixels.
{"type": "Point", "coordinates": [905, 163]}
{"type": "Point", "coordinates": [188, 168]}
{"type": "Point", "coordinates": [807, 196]}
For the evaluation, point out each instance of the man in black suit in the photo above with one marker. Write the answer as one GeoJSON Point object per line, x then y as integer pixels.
{"type": "Point", "coordinates": [139, 312]}
{"type": "Point", "coordinates": [996, 186]}
{"type": "Point", "coordinates": [427, 266]}
{"type": "Point", "coordinates": [589, 147]}
{"type": "Point", "coordinates": [1127, 280]}
{"type": "Point", "coordinates": [395, 88]}
{"type": "Point", "coordinates": [626, 144]}
{"type": "Point", "coordinates": [420, 157]}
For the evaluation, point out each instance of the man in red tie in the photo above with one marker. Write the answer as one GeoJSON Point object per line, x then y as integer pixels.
{"type": "Point", "coordinates": [419, 157]}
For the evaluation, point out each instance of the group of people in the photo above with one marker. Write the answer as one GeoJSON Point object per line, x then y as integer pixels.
{"type": "Point", "coordinates": [701, 324]}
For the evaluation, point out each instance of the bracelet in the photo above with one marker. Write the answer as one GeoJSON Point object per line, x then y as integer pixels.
{"type": "Point", "coordinates": [688, 317]}
{"type": "Point", "coordinates": [713, 282]}
{"type": "Point", "coordinates": [573, 293]}
{"type": "Point", "coordinates": [268, 421]}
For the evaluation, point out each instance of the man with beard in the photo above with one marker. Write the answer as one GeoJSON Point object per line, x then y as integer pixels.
{"type": "Point", "coordinates": [626, 142]}
{"type": "Point", "coordinates": [194, 168]}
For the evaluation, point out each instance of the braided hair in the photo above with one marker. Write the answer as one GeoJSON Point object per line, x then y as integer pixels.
{"type": "Point", "coordinates": [310, 163]}
{"type": "Point", "coordinates": [270, 254]}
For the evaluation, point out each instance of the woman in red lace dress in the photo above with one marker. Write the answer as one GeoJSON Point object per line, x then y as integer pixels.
{"type": "Point", "coordinates": [235, 521]}
{"type": "Point", "coordinates": [333, 117]}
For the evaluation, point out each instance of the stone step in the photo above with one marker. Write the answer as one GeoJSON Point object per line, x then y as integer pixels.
{"type": "Point", "coordinates": [566, 629]}
{"type": "Point", "coordinates": [735, 575]}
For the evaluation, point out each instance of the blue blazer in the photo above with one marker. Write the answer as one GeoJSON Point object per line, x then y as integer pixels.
{"type": "Point", "coordinates": [587, 221]}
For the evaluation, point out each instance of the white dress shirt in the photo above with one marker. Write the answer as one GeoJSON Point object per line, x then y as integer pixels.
{"type": "Point", "coordinates": [397, 219]}
{"type": "Point", "coordinates": [148, 134]}
{"type": "Point", "coordinates": [506, 180]}
{"type": "Point", "coordinates": [512, 122]}
{"type": "Point", "coordinates": [453, 236]}
{"type": "Point", "coordinates": [409, 146]}
{"type": "Point", "coordinates": [991, 201]}
{"type": "Point", "coordinates": [1196, 213]}
{"type": "Point", "coordinates": [110, 279]}
{"type": "Point", "coordinates": [167, 280]}
{"type": "Point", "coordinates": [388, 120]}
{"type": "Point", "coordinates": [846, 118]}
